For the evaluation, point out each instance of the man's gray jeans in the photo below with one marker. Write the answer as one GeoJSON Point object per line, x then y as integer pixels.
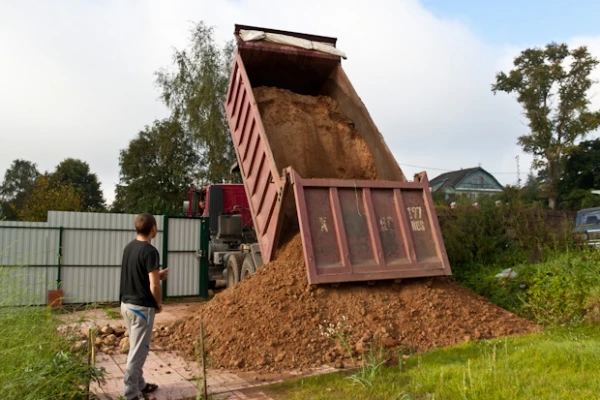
{"type": "Point", "coordinates": [139, 321]}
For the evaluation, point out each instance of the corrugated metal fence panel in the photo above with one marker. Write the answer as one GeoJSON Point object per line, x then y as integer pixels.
{"type": "Point", "coordinates": [92, 249]}
{"type": "Point", "coordinates": [184, 275]}
{"type": "Point", "coordinates": [184, 241]}
{"type": "Point", "coordinates": [93, 246]}
{"type": "Point", "coordinates": [69, 219]}
{"type": "Point", "coordinates": [99, 248]}
{"type": "Point", "coordinates": [26, 285]}
{"type": "Point", "coordinates": [90, 284]}
{"type": "Point", "coordinates": [184, 234]}
{"type": "Point", "coordinates": [23, 243]}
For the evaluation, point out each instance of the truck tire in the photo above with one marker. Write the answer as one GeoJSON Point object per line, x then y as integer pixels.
{"type": "Point", "coordinates": [234, 269]}
{"type": "Point", "coordinates": [248, 267]}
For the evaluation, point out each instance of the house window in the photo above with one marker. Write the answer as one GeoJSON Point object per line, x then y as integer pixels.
{"type": "Point", "coordinates": [477, 181]}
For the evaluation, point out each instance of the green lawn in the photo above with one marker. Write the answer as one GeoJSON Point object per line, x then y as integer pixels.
{"type": "Point", "coordinates": [35, 361]}
{"type": "Point", "coordinates": [560, 363]}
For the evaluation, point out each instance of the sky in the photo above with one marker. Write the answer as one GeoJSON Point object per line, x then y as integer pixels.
{"type": "Point", "coordinates": [77, 77]}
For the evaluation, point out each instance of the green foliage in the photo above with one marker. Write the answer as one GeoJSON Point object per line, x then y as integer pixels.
{"type": "Point", "coordinates": [18, 179]}
{"type": "Point", "coordinates": [157, 169]}
{"type": "Point", "coordinates": [45, 196]}
{"type": "Point", "coordinates": [559, 291]}
{"type": "Point", "coordinates": [505, 233]}
{"type": "Point", "coordinates": [555, 100]}
{"type": "Point", "coordinates": [559, 363]}
{"type": "Point", "coordinates": [36, 362]}
{"type": "Point", "coordinates": [578, 199]}
{"type": "Point", "coordinates": [372, 366]}
{"type": "Point", "coordinates": [76, 173]}
{"type": "Point", "coordinates": [581, 174]}
{"type": "Point", "coordinates": [195, 89]}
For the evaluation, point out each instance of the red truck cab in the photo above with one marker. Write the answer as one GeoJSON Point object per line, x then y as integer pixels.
{"type": "Point", "coordinates": [214, 200]}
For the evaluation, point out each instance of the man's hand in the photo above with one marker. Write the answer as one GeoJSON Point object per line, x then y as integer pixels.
{"type": "Point", "coordinates": [156, 287]}
{"type": "Point", "coordinates": [163, 273]}
{"type": "Point", "coordinates": [158, 310]}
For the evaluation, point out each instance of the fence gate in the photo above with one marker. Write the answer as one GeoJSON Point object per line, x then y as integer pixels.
{"type": "Point", "coordinates": [185, 253]}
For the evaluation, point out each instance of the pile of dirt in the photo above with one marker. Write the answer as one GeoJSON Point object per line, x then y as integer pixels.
{"type": "Point", "coordinates": [312, 135]}
{"type": "Point", "coordinates": [275, 320]}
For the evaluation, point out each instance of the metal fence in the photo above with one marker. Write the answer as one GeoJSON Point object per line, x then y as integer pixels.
{"type": "Point", "coordinates": [80, 253]}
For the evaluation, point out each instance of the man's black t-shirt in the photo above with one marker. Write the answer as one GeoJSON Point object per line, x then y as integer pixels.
{"type": "Point", "coordinates": [139, 259]}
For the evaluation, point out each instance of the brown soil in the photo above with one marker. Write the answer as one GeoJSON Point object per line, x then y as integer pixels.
{"type": "Point", "coordinates": [275, 320]}
{"type": "Point", "coordinates": [312, 135]}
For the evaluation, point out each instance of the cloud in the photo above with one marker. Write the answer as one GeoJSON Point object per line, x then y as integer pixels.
{"type": "Point", "coordinates": [79, 78]}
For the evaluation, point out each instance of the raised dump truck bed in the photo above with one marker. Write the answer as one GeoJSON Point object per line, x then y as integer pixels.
{"type": "Point", "coordinates": [352, 229]}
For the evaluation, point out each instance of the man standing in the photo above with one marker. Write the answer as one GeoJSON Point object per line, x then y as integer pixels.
{"type": "Point", "coordinates": [141, 299]}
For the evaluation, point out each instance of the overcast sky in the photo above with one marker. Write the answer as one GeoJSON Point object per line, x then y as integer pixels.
{"type": "Point", "coordinates": [77, 77]}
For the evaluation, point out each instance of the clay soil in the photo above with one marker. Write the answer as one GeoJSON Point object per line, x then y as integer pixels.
{"type": "Point", "coordinates": [312, 135]}
{"type": "Point", "coordinates": [274, 320]}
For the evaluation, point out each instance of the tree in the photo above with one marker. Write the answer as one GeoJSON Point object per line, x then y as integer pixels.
{"type": "Point", "coordinates": [581, 175]}
{"type": "Point", "coordinates": [76, 173]}
{"type": "Point", "coordinates": [18, 179]}
{"type": "Point", "coordinates": [157, 169]}
{"type": "Point", "coordinates": [45, 196]}
{"type": "Point", "coordinates": [554, 96]}
{"type": "Point", "coordinates": [531, 191]}
{"type": "Point", "coordinates": [195, 91]}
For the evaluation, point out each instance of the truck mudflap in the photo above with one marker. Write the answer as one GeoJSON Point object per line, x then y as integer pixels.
{"type": "Point", "coordinates": [368, 230]}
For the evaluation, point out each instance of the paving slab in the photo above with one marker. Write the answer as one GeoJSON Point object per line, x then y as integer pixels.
{"type": "Point", "coordinates": [177, 378]}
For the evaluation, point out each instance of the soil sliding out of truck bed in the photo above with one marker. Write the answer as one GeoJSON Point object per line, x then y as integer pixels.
{"type": "Point", "coordinates": [275, 320]}
{"type": "Point", "coordinates": [311, 134]}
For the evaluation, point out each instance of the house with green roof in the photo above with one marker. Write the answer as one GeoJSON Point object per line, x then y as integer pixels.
{"type": "Point", "coordinates": [469, 181]}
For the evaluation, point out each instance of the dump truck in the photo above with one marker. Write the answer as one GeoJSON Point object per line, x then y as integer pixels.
{"type": "Point", "coordinates": [351, 229]}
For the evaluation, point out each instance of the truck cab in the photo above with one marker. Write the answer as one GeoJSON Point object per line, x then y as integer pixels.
{"type": "Point", "coordinates": [232, 237]}
{"type": "Point", "coordinates": [587, 226]}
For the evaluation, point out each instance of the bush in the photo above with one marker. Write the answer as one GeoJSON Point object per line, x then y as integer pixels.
{"type": "Point", "coordinates": [561, 290]}
{"type": "Point", "coordinates": [508, 234]}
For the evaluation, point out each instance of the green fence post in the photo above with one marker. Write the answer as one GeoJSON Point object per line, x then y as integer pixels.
{"type": "Point", "coordinates": [203, 263]}
{"type": "Point", "coordinates": [165, 251]}
{"type": "Point", "coordinates": [60, 239]}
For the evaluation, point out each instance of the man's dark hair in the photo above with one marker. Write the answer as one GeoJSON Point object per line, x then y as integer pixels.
{"type": "Point", "coordinates": [144, 223]}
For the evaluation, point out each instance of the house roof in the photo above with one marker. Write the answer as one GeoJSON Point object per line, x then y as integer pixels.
{"type": "Point", "coordinates": [450, 180]}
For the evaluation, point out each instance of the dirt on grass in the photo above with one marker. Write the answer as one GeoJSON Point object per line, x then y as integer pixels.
{"type": "Point", "coordinates": [275, 320]}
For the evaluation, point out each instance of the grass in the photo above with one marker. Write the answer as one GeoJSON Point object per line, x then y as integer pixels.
{"type": "Point", "coordinates": [113, 313]}
{"type": "Point", "coordinates": [560, 363]}
{"type": "Point", "coordinates": [35, 359]}
{"type": "Point", "coordinates": [561, 290]}
{"type": "Point", "coordinates": [36, 362]}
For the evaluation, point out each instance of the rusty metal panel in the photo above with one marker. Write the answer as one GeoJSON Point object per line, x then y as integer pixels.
{"type": "Point", "coordinates": [261, 179]}
{"type": "Point", "coordinates": [368, 230]}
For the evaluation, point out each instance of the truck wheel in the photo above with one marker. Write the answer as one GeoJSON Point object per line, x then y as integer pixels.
{"type": "Point", "coordinates": [234, 269]}
{"type": "Point", "coordinates": [248, 267]}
